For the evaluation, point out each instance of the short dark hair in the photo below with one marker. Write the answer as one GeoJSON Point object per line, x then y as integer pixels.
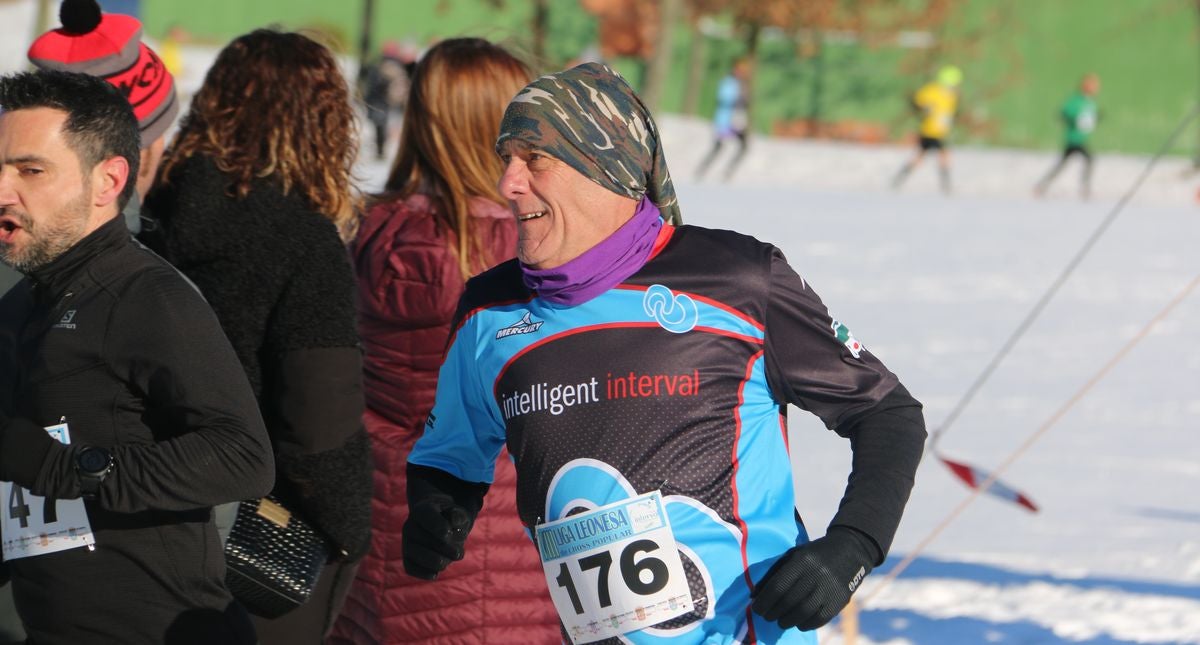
{"type": "Point", "coordinates": [100, 122]}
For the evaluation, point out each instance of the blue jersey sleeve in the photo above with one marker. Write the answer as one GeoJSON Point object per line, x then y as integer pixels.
{"type": "Point", "coordinates": [463, 434]}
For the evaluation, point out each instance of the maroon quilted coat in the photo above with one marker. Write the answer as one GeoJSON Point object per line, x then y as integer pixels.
{"type": "Point", "coordinates": [409, 282]}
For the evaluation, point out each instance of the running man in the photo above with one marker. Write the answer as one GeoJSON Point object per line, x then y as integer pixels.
{"type": "Point", "coordinates": [1079, 114]}
{"type": "Point", "coordinates": [732, 117]}
{"type": "Point", "coordinates": [936, 103]}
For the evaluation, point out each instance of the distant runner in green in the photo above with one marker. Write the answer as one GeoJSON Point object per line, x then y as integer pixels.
{"type": "Point", "coordinates": [1079, 115]}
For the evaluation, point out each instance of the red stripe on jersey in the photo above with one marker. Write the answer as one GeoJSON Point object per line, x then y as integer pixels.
{"type": "Point", "coordinates": [737, 518]}
{"type": "Point", "coordinates": [560, 335]}
{"type": "Point", "coordinates": [660, 242]}
{"type": "Point", "coordinates": [730, 334]}
{"type": "Point", "coordinates": [616, 325]}
{"type": "Point", "coordinates": [708, 301]}
{"type": "Point", "coordinates": [470, 314]}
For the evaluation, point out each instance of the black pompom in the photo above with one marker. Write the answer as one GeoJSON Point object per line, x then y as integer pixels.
{"type": "Point", "coordinates": [79, 16]}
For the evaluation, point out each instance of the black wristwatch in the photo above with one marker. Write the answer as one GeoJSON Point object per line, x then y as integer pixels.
{"type": "Point", "coordinates": [92, 464]}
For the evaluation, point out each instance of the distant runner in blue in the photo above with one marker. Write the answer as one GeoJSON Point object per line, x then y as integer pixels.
{"type": "Point", "coordinates": [639, 371]}
{"type": "Point", "coordinates": [731, 119]}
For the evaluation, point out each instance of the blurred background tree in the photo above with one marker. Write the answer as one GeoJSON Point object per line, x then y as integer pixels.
{"type": "Point", "coordinates": [828, 68]}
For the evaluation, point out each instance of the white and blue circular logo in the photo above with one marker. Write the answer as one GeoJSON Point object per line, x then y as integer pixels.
{"type": "Point", "coordinates": [676, 313]}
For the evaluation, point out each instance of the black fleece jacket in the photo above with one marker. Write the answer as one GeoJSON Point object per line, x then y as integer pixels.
{"type": "Point", "coordinates": [279, 279]}
{"type": "Point", "coordinates": [113, 341]}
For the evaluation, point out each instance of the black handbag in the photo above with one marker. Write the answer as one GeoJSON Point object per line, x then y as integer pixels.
{"type": "Point", "coordinates": [272, 558]}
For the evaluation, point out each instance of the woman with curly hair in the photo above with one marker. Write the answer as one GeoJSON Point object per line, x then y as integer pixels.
{"type": "Point", "coordinates": [441, 221]}
{"type": "Point", "coordinates": [250, 203]}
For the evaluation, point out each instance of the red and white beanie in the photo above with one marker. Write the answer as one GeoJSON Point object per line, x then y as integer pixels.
{"type": "Point", "coordinates": [109, 45]}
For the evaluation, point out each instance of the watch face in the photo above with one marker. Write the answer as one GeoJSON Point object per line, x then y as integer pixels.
{"type": "Point", "coordinates": [93, 460]}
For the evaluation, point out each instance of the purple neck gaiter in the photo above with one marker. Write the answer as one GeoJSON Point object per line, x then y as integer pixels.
{"type": "Point", "coordinates": [601, 267]}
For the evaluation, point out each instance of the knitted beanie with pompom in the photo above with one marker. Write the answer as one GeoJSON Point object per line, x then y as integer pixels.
{"type": "Point", "coordinates": [110, 46]}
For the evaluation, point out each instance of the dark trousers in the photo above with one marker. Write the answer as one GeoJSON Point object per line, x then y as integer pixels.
{"type": "Point", "coordinates": [924, 145]}
{"type": "Point", "coordinates": [378, 116]}
{"type": "Point", "coordinates": [712, 155]}
{"type": "Point", "coordinates": [1086, 185]}
{"type": "Point", "coordinates": [313, 620]}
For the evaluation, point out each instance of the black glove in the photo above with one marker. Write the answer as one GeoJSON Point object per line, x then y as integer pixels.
{"type": "Point", "coordinates": [441, 510]}
{"type": "Point", "coordinates": [811, 583]}
{"type": "Point", "coordinates": [434, 536]}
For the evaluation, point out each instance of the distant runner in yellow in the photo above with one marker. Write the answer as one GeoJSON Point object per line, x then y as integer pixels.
{"type": "Point", "coordinates": [935, 103]}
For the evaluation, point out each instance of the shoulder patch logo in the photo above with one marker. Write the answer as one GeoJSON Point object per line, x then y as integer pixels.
{"type": "Point", "coordinates": [66, 321]}
{"type": "Point", "coordinates": [676, 313]}
{"type": "Point", "coordinates": [846, 337]}
{"type": "Point", "coordinates": [526, 325]}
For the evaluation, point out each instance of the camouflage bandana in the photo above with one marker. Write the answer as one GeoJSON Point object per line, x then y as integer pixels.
{"type": "Point", "coordinates": [589, 118]}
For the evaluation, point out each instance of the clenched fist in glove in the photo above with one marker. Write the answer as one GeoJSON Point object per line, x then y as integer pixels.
{"type": "Point", "coordinates": [812, 582]}
{"type": "Point", "coordinates": [441, 510]}
{"type": "Point", "coordinates": [434, 536]}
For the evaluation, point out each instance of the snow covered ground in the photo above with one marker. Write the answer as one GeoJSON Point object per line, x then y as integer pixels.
{"type": "Point", "coordinates": [934, 286]}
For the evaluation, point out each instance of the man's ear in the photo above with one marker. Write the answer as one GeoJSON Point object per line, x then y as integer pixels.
{"type": "Point", "coordinates": [108, 180]}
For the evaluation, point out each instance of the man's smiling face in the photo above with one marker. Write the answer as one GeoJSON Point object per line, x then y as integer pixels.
{"type": "Point", "coordinates": [560, 212]}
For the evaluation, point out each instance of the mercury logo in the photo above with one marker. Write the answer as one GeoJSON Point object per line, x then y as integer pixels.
{"type": "Point", "coordinates": [526, 325]}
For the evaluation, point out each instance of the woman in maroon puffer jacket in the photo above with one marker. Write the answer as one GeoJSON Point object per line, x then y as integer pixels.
{"type": "Point", "coordinates": [441, 222]}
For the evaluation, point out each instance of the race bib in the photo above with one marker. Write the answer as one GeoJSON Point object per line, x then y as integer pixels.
{"type": "Point", "coordinates": [1086, 121]}
{"type": "Point", "coordinates": [614, 569]}
{"type": "Point", "coordinates": [33, 525]}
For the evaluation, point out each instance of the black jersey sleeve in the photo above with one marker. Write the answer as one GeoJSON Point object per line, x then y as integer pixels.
{"type": "Point", "coordinates": [809, 363]}
{"type": "Point", "coordinates": [815, 363]}
{"type": "Point", "coordinates": [887, 441]}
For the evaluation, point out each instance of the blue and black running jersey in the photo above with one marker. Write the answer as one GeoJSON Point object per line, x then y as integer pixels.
{"type": "Point", "coordinates": [675, 380]}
